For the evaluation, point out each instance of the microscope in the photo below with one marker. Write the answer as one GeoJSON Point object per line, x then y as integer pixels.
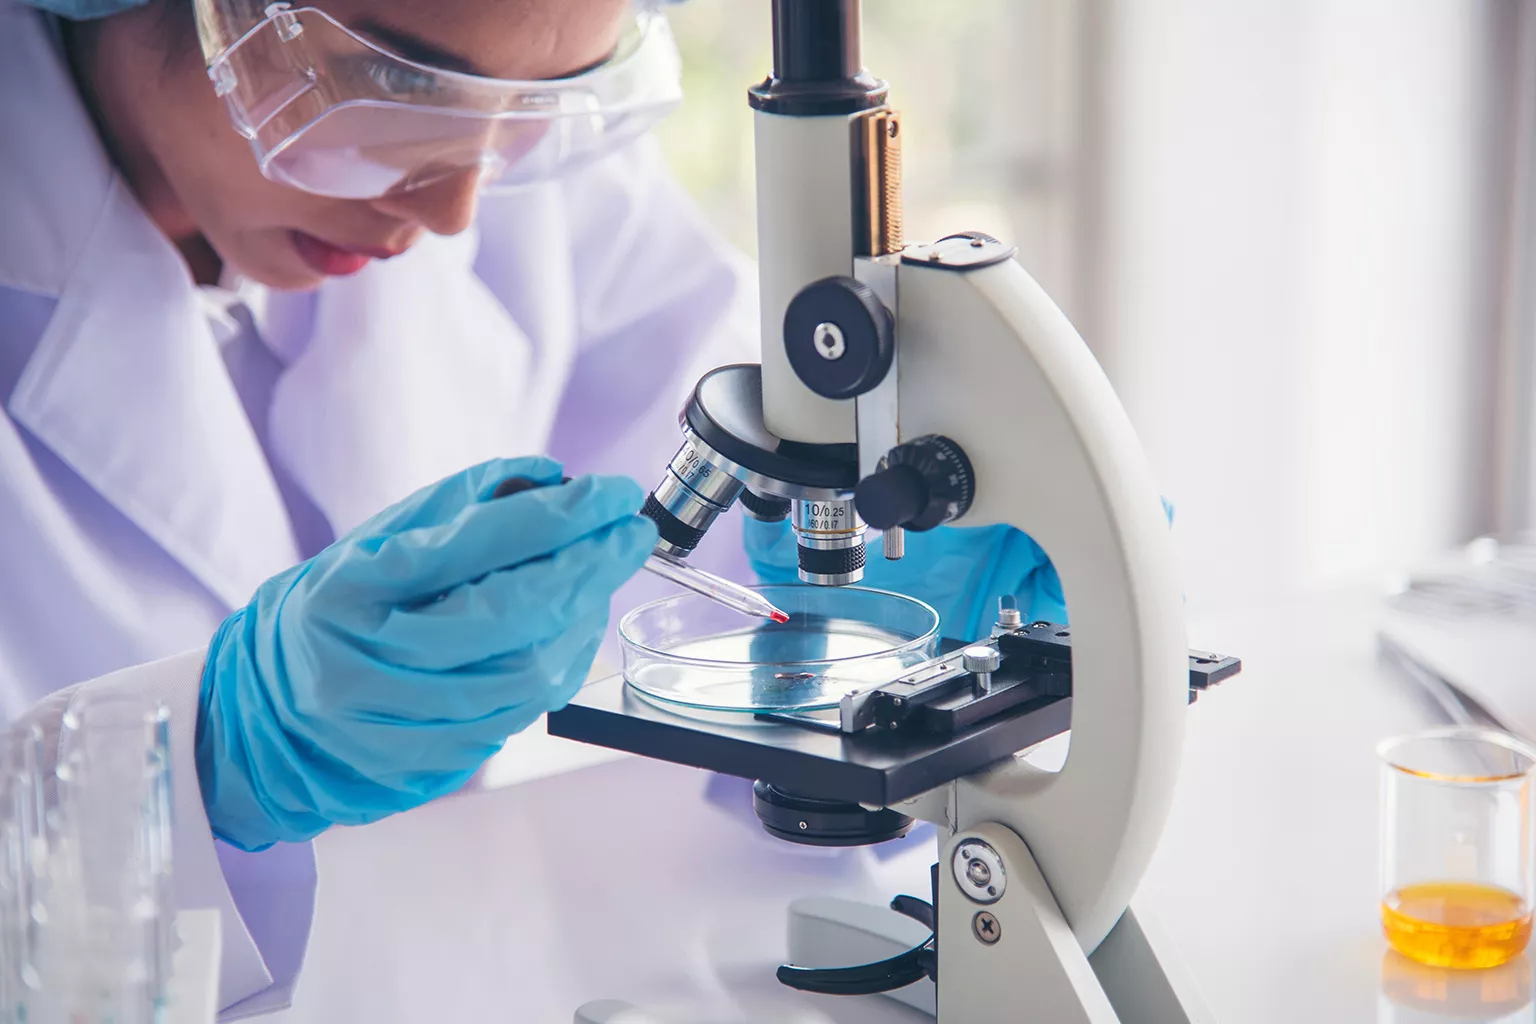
{"type": "Point", "coordinates": [903, 387]}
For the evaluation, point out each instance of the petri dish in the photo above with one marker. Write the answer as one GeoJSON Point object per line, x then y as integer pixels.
{"type": "Point", "coordinates": [689, 650]}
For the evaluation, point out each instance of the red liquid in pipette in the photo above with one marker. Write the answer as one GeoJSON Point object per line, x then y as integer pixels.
{"type": "Point", "coordinates": [780, 617]}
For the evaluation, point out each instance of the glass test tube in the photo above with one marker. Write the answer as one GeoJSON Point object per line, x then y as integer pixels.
{"type": "Point", "coordinates": [1456, 846]}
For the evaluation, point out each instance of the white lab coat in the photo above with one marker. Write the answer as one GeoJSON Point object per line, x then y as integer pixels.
{"type": "Point", "coordinates": [163, 450]}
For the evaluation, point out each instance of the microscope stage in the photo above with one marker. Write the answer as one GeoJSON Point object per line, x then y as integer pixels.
{"type": "Point", "coordinates": [870, 767]}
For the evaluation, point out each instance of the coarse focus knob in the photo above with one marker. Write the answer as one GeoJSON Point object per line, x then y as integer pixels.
{"type": "Point", "coordinates": [921, 484]}
{"type": "Point", "coordinates": [981, 659]}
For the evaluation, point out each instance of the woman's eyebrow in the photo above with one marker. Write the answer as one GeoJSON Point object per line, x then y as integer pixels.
{"type": "Point", "coordinates": [414, 48]}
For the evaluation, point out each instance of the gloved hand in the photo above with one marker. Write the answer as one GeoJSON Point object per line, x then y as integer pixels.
{"type": "Point", "coordinates": [382, 672]}
{"type": "Point", "coordinates": [960, 571]}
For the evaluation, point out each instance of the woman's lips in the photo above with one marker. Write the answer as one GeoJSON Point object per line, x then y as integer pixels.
{"type": "Point", "coordinates": [332, 260]}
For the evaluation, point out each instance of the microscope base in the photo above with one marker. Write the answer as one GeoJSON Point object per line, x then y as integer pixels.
{"type": "Point", "coordinates": [825, 931]}
{"type": "Point", "coordinates": [1144, 977]}
{"type": "Point", "coordinates": [1134, 977]}
{"type": "Point", "coordinates": [1135, 969]}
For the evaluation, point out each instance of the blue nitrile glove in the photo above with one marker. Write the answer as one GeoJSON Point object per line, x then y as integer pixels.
{"type": "Point", "coordinates": [382, 672]}
{"type": "Point", "coordinates": [960, 571]}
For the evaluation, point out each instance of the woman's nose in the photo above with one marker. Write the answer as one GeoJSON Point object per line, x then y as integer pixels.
{"type": "Point", "coordinates": [445, 207]}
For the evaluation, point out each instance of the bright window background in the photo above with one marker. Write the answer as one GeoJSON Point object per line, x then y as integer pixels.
{"type": "Point", "coordinates": [1290, 231]}
{"type": "Point", "coordinates": [987, 119]}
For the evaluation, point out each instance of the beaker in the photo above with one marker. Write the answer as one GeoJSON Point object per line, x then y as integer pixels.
{"type": "Point", "coordinates": [111, 910]}
{"type": "Point", "coordinates": [1456, 857]}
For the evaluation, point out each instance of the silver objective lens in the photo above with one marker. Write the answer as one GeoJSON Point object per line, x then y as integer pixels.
{"type": "Point", "coordinates": [690, 496]}
{"type": "Point", "coordinates": [831, 539]}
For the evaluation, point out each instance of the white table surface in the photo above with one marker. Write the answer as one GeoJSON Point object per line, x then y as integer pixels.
{"type": "Point", "coordinates": [618, 880]}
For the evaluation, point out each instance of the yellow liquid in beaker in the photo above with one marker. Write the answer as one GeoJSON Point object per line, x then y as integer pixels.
{"type": "Point", "coordinates": [1456, 924]}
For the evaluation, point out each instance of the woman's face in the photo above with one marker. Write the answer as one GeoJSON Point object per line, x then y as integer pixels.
{"type": "Point", "coordinates": [201, 177]}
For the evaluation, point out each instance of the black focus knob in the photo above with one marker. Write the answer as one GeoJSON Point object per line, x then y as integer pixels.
{"type": "Point", "coordinates": [839, 337]}
{"type": "Point", "coordinates": [921, 484]}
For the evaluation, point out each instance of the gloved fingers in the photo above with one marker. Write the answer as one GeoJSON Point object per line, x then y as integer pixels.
{"type": "Point", "coordinates": [414, 720]}
{"type": "Point", "coordinates": [440, 502]}
{"type": "Point", "coordinates": [420, 564]}
{"type": "Point", "coordinates": [1019, 566]}
{"type": "Point", "coordinates": [772, 550]}
{"type": "Point", "coordinates": [539, 469]}
{"type": "Point", "coordinates": [775, 644]}
{"type": "Point", "coordinates": [1046, 601]}
{"type": "Point", "coordinates": [578, 664]}
{"type": "Point", "coordinates": [949, 568]}
{"type": "Point", "coordinates": [513, 609]}
{"type": "Point", "coordinates": [772, 646]}
{"type": "Point", "coordinates": [353, 784]}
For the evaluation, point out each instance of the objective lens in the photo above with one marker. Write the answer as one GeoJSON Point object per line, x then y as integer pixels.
{"type": "Point", "coordinates": [831, 539]}
{"type": "Point", "coordinates": [688, 499]}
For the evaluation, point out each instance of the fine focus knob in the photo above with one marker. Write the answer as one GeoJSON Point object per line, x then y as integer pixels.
{"type": "Point", "coordinates": [921, 484]}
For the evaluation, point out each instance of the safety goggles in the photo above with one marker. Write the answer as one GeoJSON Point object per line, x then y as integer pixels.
{"type": "Point", "coordinates": [332, 113]}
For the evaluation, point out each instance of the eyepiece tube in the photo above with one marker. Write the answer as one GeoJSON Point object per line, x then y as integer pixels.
{"type": "Point", "coordinates": [816, 40]}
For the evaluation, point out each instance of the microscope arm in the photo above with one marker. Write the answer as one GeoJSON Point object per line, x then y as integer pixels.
{"type": "Point", "coordinates": [987, 359]}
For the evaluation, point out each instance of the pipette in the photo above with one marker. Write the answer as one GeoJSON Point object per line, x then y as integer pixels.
{"type": "Point", "coordinates": [716, 588]}
{"type": "Point", "coordinates": [668, 567]}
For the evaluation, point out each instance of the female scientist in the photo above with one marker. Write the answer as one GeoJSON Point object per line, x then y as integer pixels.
{"type": "Point", "coordinates": [251, 294]}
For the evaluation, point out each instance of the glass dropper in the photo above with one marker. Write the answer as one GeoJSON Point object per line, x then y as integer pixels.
{"type": "Point", "coordinates": [723, 591]}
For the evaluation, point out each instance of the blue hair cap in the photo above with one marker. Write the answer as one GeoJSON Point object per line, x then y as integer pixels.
{"type": "Point", "coordinates": [85, 10]}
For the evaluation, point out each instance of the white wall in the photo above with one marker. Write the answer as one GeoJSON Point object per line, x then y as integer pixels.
{"type": "Point", "coordinates": [1295, 273]}
{"type": "Point", "coordinates": [1516, 493]}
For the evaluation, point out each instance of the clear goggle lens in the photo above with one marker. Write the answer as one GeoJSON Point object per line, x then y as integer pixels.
{"type": "Point", "coordinates": [328, 112]}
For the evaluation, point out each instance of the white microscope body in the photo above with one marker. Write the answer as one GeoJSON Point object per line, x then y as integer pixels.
{"type": "Point", "coordinates": [984, 357]}
{"type": "Point", "coordinates": [1036, 870]}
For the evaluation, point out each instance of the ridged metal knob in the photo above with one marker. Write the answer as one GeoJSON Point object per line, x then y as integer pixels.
{"type": "Point", "coordinates": [980, 660]}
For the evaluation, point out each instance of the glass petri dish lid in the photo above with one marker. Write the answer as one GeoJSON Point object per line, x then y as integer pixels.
{"type": "Point", "coordinates": [689, 650]}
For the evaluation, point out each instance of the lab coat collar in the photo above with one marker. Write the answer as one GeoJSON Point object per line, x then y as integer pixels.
{"type": "Point", "coordinates": [412, 370]}
{"type": "Point", "coordinates": [126, 384]}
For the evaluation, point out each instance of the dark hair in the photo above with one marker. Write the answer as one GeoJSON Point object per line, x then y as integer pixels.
{"type": "Point", "coordinates": [178, 28]}
{"type": "Point", "coordinates": [175, 20]}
